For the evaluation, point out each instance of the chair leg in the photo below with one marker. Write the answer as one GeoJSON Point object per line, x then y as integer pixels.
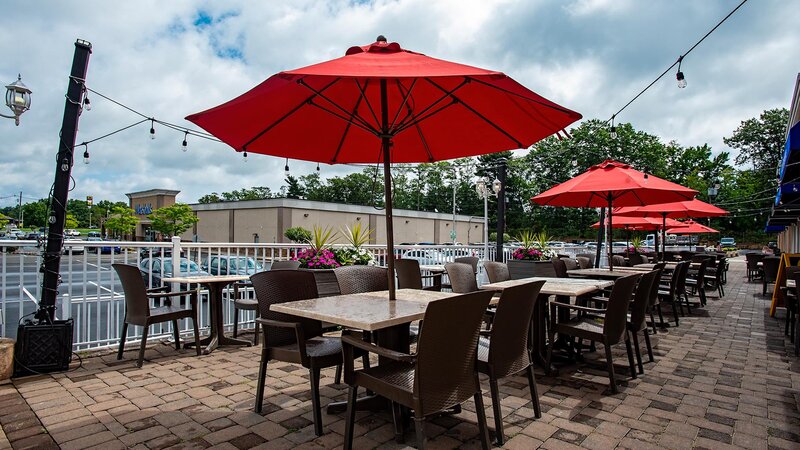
{"type": "Point", "coordinates": [649, 347]}
{"type": "Point", "coordinates": [629, 349]}
{"type": "Point", "coordinates": [143, 345]}
{"type": "Point", "coordinates": [653, 321]}
{"type": "Point", "coordinates": [196, 330]}
{"type": "Point", "coordinates": [337, 379]}
{"type": "Point", "coordinates": [537, 407]}
{"type": "Point", "coordinates": [177, 332]}
{"type": "Point", "coordinates": [661, 322]}
{"type": "Point", "coordinates": [262, 379]}
{"type": "Point", "coordinates": [317, 410]}
{"type": "Point", "coordinates": [675, 310]}
{"type": "Point", "coordinates": [350, 418]}
{"type": "Point", "coordinates": [786, 325]}
{"type": "Point", "coordinates": [123, 335]}
{"type": "Point", "coordinates": [257, 330]}
{"type": "Point", "coordinates": [552, 336]}
{"type": "Point", "coordinates": [611, 378]}
{"type": "Point", "coordinates": [480, 411]}
{"type": "Point", "coordinates": [498, 415]}
{"type": "Point", "coordinates": [419, 425]}
{"type": "Point", "coordinates": [235, 322]}
{"type": "Point", "coordinates": [397, 420]}
{"type": "Point", "coordinates": [637, 350]}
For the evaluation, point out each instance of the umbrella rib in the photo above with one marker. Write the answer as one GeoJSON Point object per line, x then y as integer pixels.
{"type": "Point", "coordinates": [365, 124]}
{"type": "Point", "coordinates": [404, 104]}
{"type": "Point", "coordinates": [346, 120]}
{"type": "Point", "coordinates": [363, 90]}
{"type": "Point", "coordinates": [425, 112]}
{"type": "Point", "coordinates": [410, 113]}
{"type": "Point", "coordinates": [285, 116]}
{"type": "Point", "coordinates": [416, 120]}
{"type": "Point", "coordinates": [346, 130]}
{"type": "Point", "coordinates": [478, 114]}
{"type": "Point", "coordinates": [547, 105]}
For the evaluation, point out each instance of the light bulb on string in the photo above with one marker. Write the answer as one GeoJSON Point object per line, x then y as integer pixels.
{"type": "Point", "coordinates": [87, 105]}
{"type": "Point", "coordinates": [244, 156]}
{"type": "Point", "coordinates": [184, 144]}
{"type": "Point", "coordinates": [317, 167]}
{"type": "Point", "coordinates": [679, 76]}
{"type": "Point", "coordinates": [574, 162]}
{"type": "Point", "coordinates": [613, 131]}
{"type": "Point", "coordinates": [86, 154]}
{"type": "Point", "coordinates": [152, 130]}
{"type": "Point", "coordinates": [286, 167]}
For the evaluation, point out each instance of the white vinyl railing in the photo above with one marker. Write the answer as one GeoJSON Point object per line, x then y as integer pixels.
{"type": "Point", "coordinates": [90, 292]}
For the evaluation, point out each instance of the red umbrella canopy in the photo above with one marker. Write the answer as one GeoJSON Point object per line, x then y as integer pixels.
{"type": "Point", "coordinates": [691, 208]}
{"type": "Point", "coordinates": [691, 227]}
{"type": "Point", "coordinates": [640, 223]}
{"type": "Point", "coordinates": [613, 182]}
{"type": "Point", "coordinates": [338, 111]}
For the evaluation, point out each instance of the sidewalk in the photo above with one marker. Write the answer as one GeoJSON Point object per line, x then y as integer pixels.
{"type": "Point", "coordinates": [726, 378]}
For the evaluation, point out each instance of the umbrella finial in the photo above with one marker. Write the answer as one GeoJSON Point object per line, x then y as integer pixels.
{"type": "Point", "coordinates": [381, 38]}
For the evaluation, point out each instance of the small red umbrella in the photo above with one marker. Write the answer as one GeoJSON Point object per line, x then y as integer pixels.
{"type": "Point", "coordinates": [613, 183]}
{"type": "Point", "coordinates": [691, 227]}
{"type": "Point", "coordinates": [641, 223]}
{"type": "Point", "coordinates": [674, 210]}
{"type": "Point", "coordinates": [382, 104]}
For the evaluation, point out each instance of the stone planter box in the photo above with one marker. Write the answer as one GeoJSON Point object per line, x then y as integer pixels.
{"type": "Point", "coordinates": [525, 269]}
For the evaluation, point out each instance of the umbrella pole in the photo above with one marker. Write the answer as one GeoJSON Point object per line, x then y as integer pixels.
{"type": "Point", "coordinates": [600, 232]}
{"type": "Point", "coordinates": [663, 236]}
{"type": "Point", "coordinates": [387, 188]}
{"type": "Point", "coordinates": [609, 244]}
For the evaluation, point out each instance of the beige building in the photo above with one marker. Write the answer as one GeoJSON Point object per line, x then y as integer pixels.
{"type": "Point", "coordinates": [145, 202]}
{"type": "Point", "coordinates": [266, 221]}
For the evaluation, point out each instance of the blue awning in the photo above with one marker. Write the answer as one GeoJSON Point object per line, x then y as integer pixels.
{"type": "Point", "coordinates": [791, 151]}
{"type": "Point", "coordinates": [774, 228]}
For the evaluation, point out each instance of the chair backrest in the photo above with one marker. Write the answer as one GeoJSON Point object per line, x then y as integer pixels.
{"type": "Point", "coordinates": [445, 369]}
{"type": "Point", "coordinates": [285, 265]}
{"type": "Point", "coordinates": [356, 279]}
{"type": "Point", "coordinates": [496, 271]}
{"type": "Point", "coordinates": [462, 278]}
{"type": "Point", "coordinates": [682, 270]}
{"type": "Point", "coordinates": [583, 262]}
{"type": "Point", "coordinates": [560, 267]}
{"type": "Point", "coordinates": [686, 255]}
{"type": "Point", "coordinates": [471, 260]}
{"type": "Point", "coordinates": [654, 289]}
{"type": "Point", "coordinates": [619, 260]}
{"type": "Point", "coordinates": [590, 257]}
{"type": "Point", "coordinates": [753, 259]}
{"type": "Point", "coordinates": [771, 264]}
{"type": "Point", "coordinates": [281, 286]}
{"type": "Point", "coordinates": [790, 272]}
{"type": "Point", "coordinates": [137, 304]}
{"type": "Point", "coordinates": [642, 299]}
{"type": "Point", "coordinates": [701, 268]}
{"type": "Point", "coordinates": [570, 263]}
{"type": "Point", "coordinates": [635, 258]}
{"type": "Point", "coordinates": [616, 318]}
{"type": "Point", "coordinates": [408, 274]}
{"type": "Point", "coordinates": [796, 277]}
{"type": "Point", "coordinates": [508, 349]}
{"type": "Point", "coordinates": [659, 265]}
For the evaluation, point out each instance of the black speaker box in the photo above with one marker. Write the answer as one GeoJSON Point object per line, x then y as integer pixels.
{"type": "Point", "coordinates": [42, 348]}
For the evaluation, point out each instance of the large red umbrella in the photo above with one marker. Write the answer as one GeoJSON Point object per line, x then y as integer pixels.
{"type": "Point", "coordinates": [674, 210]}
{"type": "Point", "coordinates": [641, 223]}
{"type": "Point", "coordinates": [691, 227]}
{"type": "Point", "coordinates": [380, 103]}
{"type": "Point", "coordinates": [613, 183]}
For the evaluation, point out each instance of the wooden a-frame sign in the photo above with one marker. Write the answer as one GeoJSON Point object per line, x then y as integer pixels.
{"type": "Point", "coordinates": [787, 259]}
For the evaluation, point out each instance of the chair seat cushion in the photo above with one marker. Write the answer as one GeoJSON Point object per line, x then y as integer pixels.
{"type": "Point", "coordinates": [246, 303]}
{"type": "Point", "coordinates": [393, 380]}
{"type": "Point", "coordinates": [587, 327]}
{"type": "Point", "coordinates": [173, 310]}
{"type": "Point", "coordinates": [323, 346]}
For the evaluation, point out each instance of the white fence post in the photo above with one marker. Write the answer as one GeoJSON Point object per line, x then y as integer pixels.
{"type": "Point", "coordinates": [66, 307]}
{"type": "Point", "coordinates": [176, 261]}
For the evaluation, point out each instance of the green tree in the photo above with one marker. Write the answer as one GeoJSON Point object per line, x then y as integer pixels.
{"type": "Point", "coordinates": [70, 221]}
{"type": "Point", "coordinates": [36, 213]}
{"type": "Point", "coordinates": [173, 220]}
{"type": "Point", "coordinates": [294, 188]}
{"type": "Point", "coordinates": [297, 234]}
{"type": "Point", "coordinates": [760, 140]}
{"type": "Point", "coordinates": [121, 220]}
{"type": "Point", "coordinates": [210, 198]}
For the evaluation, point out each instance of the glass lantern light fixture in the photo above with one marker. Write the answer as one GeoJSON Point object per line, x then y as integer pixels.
{"type": "Point", "coordinates": [18, 99]}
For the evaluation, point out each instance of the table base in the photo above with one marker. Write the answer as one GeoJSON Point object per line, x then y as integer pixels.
{"type": "Point", "coordinates": [212, 342]}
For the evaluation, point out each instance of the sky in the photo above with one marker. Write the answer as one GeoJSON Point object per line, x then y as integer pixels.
{"type": "Point", "coordinates": [170, 59]}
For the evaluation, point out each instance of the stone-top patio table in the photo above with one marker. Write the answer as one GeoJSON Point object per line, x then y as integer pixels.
{"type": "Point", "coordinates": [215, 284]}
{"type": "Point", "coordinates": [602, 273]}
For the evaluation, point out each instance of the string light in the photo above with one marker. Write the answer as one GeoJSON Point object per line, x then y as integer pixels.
{"type": "Point", "coordinates": [679, 75]}
{"type": "Point", "coordinates": [86, 154]}
{"type": "Point", "coordinates": [244, 156]}
{"type": "Point", "coordinates": [184, 144]}
{"type": "Point", "coordinates": [286, 167]}
{"type": "Point", "coordinates": [574, 162]}
{"type": "Point", "coordinates": [87, 105]}
{"type": "Point", "coordinates": [613, 131]}
{"type": "Point", "coordinates": [317, 167]}
{"type": "Point", "coordinates": [152, 130]}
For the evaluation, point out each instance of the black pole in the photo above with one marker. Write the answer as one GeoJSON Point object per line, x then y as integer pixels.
{"type": "Point", "coordinates": [58, 201]}
{"type": "Point", "coordinates": [386, 145]}
{"type": "Point", "coordinates": [600, 231]}
{"type": "Point", "coordinates": [663, 236]}
{"type": "Point", "coordinates": [610, 243]}
{"type": "Point", "coordinates": [501, 210]}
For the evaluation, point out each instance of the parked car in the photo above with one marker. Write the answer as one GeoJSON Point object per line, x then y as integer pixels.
{"type": "Point", "coordinates": [34, 236]}
{"type": "Point", "coordinates": [231, 265]}
{"type": "Point", "coordinates": [8, 248]}
{"type": "Point", "coordinates": [727, 242]}
{"type": "Point", "coordinates": [71, 232]}
{"type": "Point", "coordinates": [74, 246]}
{"type": "Point", "coordinates": [162, 268]}
{"type": "Point", "coordinates": [424, 256]}
{"type": "Point", "coordinates": [104, 249]}
{"type": "Point", "coordinates": [94, 234]}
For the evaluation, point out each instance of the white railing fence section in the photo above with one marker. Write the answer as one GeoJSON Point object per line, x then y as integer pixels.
{"type": "Point", "coordinates": [91, 294]}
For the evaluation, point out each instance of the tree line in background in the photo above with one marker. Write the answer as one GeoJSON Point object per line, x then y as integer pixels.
{"type": "Point", "coordinates": [746, 190]}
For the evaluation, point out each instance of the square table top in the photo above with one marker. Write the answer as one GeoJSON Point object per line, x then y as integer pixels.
{"type": "Point", "coordinates": [203, 279]}
{"type": "Point", "coordinates": [571, 287]}
{"type": "Point", "coordinates": [366, 311]}
{"type": "Point", "coordinates": [618, 272]}
{"type": "Point", "coordinates": [435, 268]}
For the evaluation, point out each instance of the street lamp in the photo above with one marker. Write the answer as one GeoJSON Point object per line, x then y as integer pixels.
{"type": "Point", "coordinates": [18, 98]}
{"type": "Point", "coordinates": [712, 192]}
{"type": "Point", "coordinates": [484, 191]}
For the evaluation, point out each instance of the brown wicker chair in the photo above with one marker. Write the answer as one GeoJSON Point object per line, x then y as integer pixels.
{"type": "Point", "coordinates": [505, 352]}
{"type": "Point", "coordinates": [496, 271]}
{"type": "Point", "coordinates": [715, 276]}
{"type": "Point", "coordinates": [440, 375]}
{"type": "Point", "coordinates": [610, 331]}
{"type": "Point", "coordinates": [674, 291]}
{"type": "Point", "coordinates": [357, 279]}
{"type": "Point", "coordinates": [289, 338]}
{"type": "Point", "coordinates": [771, 264]}
{"type": "Point", "coordinates": [139, 312]}
{"type": "Point", "coordinates": [471, 260]}
{"type": "Point", "coordinates": [753, 271]}
{"type": "Point", "coordinates": [560, 267]}
{"type": "Point", "coordinates": [790, 301]}
{"type": "Point", "coordinates": [589, 256]}
{"type": "Point", "coordinates": [409, 276]}
{"type": "Point", "coordinates": [583, 262]}
{"type": "Point", "coordinates": [571, 263]}
{"type": "Point", "coordinates": [695, 282]}
{"type": "Point", "coordinates": [244, 303]}
{"type": "Point", "coordinates": [619, 260]}
{"type": "Point", "coordinates": [636, 258]}
{"type": "Point", "coordinates": [462, 277]}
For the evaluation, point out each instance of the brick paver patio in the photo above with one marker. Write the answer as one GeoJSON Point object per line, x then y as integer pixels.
{"type": "Point", "coordinates": [725, 378]}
